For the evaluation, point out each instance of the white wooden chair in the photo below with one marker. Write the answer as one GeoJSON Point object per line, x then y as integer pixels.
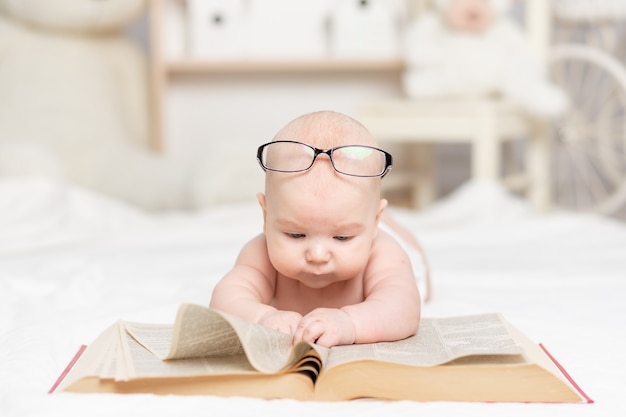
{"type": "Point", "coordinates": [484, 123]}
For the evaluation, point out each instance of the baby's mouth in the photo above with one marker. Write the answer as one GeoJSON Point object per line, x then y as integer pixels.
{"type": "Point", "coordinates": [318, 275]}
{"type": "Point", "coordinates": [316, 280]}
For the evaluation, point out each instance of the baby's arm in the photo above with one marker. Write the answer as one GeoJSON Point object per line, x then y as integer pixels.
{"type": "Point", "coordinates": [390, 311]}
{"type": "Point", "coordinates": [247, 290]}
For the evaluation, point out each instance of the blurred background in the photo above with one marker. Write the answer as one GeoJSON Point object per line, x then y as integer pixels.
{"type": "Point", "coordinates": [221, 77]}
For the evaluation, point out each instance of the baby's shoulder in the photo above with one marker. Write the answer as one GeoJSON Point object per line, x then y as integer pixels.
{"type": "Point", "coordinates": [257, 243]}
{"type": "Point", "coordinates": [386, 249]}
{"type": "Point", "coordinates": [385, 240]}
{"type": "Point", "coordinates": [254, 252]}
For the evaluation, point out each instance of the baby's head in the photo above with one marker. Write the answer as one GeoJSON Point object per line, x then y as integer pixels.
{"type": "Point", "coordinates": [319, 223]}
{"type": "Point", "coordinates": [327, 130]}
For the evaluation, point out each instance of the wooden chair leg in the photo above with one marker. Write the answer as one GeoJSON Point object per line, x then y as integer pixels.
{"type": "Point", "coordinates": [424, 187]}
{"type": "Point", "coordinates": [486, 147]}
{"type": "Point", "coordinates": [538, 169]}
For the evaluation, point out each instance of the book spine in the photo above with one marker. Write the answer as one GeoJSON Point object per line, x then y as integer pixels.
{"type": "Point", "coordinates": [67, 369]}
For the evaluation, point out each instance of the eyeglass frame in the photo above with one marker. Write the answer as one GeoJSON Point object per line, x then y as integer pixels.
{"type": "Point", "coordinates": [329, 152]}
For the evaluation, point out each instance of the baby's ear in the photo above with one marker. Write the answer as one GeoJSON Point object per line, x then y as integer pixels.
{"type": "Point", "coordinates": [261, 198]}
{"type": "Point", "coordinates": [381, 208]}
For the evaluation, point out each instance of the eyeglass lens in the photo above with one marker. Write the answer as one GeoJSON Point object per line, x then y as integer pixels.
{"type": "Point", "coordinates": [287, 156]}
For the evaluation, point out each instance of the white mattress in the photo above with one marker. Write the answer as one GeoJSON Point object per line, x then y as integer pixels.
{"type": "Point", "coordinates": [72, 262]}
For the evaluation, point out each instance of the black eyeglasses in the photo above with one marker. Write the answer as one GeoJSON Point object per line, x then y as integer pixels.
{"type": "Point", "coordinates": [354, 160]}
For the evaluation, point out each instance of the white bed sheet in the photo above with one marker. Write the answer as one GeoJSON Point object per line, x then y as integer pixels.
{"type": "Point", "coordinates": [72, 262]}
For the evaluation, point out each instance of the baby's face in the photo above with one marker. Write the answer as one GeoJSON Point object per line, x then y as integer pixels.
{"type": "Point", "coordinates": [320, 231]}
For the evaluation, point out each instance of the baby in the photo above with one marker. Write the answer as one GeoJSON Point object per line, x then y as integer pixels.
{"type": "Point", "coordinates": [323, 270]}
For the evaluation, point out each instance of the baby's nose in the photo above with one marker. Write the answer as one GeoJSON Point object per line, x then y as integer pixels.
{"type": "Point", "coordinates": [317, 253]}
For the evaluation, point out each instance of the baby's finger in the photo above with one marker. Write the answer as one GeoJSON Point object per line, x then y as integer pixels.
{"type": "Point", "coordinates": [327, 339]}
{"type": "Point", "coordinates": [284, 328]}
{"type": "Point", "coordinates": [309, 332]}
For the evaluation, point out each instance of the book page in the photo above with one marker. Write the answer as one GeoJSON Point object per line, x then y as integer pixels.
{"type": "Point", "coordinates": [144, 363]}
{"type": "Point", "coordinates": [534, 353]}
{"type": "Point", "coordinates": [108, 363]}
{"type": "Point", "coordinates": [202, 332]}
{"type": "Point", "coordinates": [99, 360]}
{"type": "Point", "coordinates": [438, 341]}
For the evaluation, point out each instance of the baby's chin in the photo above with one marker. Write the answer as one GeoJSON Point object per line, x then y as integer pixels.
{"type": "Point", "coordinates": [318, 281]}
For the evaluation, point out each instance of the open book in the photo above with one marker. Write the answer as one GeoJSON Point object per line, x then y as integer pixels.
{"type": "Point", "coordinates": [467, 358]}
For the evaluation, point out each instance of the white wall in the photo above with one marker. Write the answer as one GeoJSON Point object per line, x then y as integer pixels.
{"type": "Point", "coordinates": [207, 110]}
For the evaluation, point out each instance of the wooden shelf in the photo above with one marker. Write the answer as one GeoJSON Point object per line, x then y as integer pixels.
{"type": "Point", "coordinates": [163, 69]}
{"type": "Point", "coordinates": [191, 66]}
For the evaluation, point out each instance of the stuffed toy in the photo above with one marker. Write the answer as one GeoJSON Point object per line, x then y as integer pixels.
{"type": "Point", "coordinates": [475, 48]}
{"type": "Point", "coordinates": [74, 103]}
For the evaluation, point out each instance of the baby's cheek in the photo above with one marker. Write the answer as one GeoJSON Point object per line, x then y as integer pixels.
{"type": "Point", "coordinates": [284, 261]}
{"type": "Point", "coordinates": [351, 267]}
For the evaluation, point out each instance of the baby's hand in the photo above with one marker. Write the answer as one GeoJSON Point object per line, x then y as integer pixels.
{"type": "Point", "coordinates": [283, 321]}
{"type": "Point", "coordinates": [326, 327]}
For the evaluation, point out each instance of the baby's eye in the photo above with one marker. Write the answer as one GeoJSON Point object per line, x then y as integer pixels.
{"type": "Point", "coordinates": [296, 235]}
{"type": "Point", "coordinates": [342, 238]}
